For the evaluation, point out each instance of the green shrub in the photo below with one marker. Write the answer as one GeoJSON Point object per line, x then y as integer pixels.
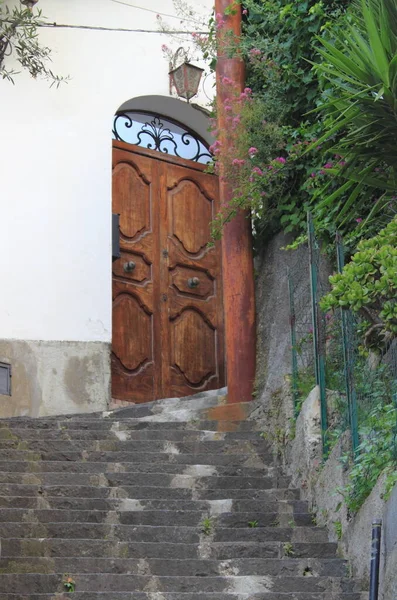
{"type": "Point", "coordinates": [368, 285]}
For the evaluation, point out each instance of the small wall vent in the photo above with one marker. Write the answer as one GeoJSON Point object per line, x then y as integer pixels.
{"type": "Point", "coordinates": [5, 379]}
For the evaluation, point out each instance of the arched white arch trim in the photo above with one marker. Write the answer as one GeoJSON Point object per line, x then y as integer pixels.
{"type": "Point", "coordinates": [193, 117]}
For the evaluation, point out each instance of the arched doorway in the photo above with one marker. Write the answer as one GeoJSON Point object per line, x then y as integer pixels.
{"type": "Point", "coordinates": [168, 325]}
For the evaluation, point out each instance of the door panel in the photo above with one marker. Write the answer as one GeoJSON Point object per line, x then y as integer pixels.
{"type": "Point", "coordinates": [195, 317]}
{"type": "Point", "coordinates": [134, 360]}
{"type": "Point", "coordinates": [167, 295]}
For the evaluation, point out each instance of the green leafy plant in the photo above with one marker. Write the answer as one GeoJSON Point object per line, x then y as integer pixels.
{"type": "Point", "coordinates": [338, 529]}
{"type": "Point", "coordinates": [19, 37]}
{"type": "Point", "coordinates": [207, 525]}
{"type": "Point", "coordinates": [377, 455]}
{"type": "Point", "coordinates": [253, 524]}
{"type": "Point", "coordinates": [359, 71]}
{"type": "Point", "coordinates": [288, 549]}
{"type": "Point", "coordinates": [368, 285]}
{"type": "Point", "coordinates": [69, 584]}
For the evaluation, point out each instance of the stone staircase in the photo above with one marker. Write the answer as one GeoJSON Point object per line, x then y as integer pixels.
{"type": "Point", "coordinates": [156, 502]}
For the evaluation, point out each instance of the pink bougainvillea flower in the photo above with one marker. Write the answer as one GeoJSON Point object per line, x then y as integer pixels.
{"type": "Point", "coordinates": [255, 52]}
{"type": "Point", "coordinates": [247, 90]}
{"type": "Point", "coordinates": [313, 174]}
{"type": "Point", "coordinates": [238, 161]}
{"type": "Point", "coordinates": [359, 220]}
{"type": "Point", "coordinates": [280, 159]}
{"type": "Point", "coordinates": [228, 108]}
{"type": "Point", "coordinates": [245, 11]}
{"type": "Point", "coordinates": [257, 170]}
{"type": "Point", "coordinates": [252, 151]}
{"type": "Point", "coordinates": [328, 165]}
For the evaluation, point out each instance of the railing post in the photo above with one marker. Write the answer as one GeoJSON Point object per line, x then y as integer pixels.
{"type": "Point", "coordinates": [375, 560]}
{"type": "Point", "coordinates": [318, 336]}
{"type": "Point", "coordinates": [348, 358]}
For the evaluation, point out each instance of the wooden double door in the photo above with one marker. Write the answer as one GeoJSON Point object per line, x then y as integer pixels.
{"type": "Point", "coordinates": [168, 326]}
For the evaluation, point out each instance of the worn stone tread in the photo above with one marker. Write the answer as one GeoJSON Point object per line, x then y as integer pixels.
{"type": "Point", "coordinates": [98, 423]}
{"type": "Point", "coordinates": [43, 444]}
{"type": "Point", "coordinates": [291, 567]}
{"type": "Point", "coordinates": [186, 596]}
{"type": "Point", "coordinates": [121, 433]}
{"type": "Point", "coordinates": [38, 583]}
{"type": "Point", "coordinates": [222, 459]}
{"type": "Point", "coordinates": [58, 547]}
{"type": "Point", "coordinates": [106, 504]}
{"type": "Point", "coordinates": [115, 479]}
{"type": "Point", "coordinates": [155, 518]}
{"type": "Point", "coordinates": [153, 492]}
{"type": "Point", "coordinates": [128, 467]}
{"type": "Point", "coordinates": [147, 533]}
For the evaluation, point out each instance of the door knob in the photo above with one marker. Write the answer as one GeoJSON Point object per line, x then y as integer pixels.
{"type": "Point", "coordinates": [129, 266]}
{"type": "Point", "coordinates": [193, 282]}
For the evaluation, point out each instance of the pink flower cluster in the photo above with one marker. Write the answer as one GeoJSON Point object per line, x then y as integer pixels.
{"type": "Point", "coordinates": [220, 21]}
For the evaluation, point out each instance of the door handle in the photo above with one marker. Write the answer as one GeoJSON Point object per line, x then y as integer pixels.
{"type": "Point", "coordinates": [193, 282]}
{"type": "Point", "coordinates": [129, 266]}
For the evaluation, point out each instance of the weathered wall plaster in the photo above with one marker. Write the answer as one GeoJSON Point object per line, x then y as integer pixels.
{"type": "Point", "coordinates": [320, 482]}
{"type": "Point", "coordinates": [50, 378]}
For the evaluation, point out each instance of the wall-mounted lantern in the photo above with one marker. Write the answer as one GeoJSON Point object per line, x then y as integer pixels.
{"type": "Point", "coordinates": [186, 77]}
{"type": "Point", "coordinates": [29, 3]}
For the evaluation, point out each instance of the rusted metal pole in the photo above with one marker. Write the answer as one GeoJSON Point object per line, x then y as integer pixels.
{"type": "Point", "coordinates": [238, 270]}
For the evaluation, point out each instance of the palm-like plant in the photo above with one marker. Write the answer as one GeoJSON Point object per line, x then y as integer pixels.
{"type": "Point", "coordinates": [360, 73]}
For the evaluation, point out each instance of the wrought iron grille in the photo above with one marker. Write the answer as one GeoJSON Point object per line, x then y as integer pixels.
{"type": "Point", "coordinates": [161, 135]}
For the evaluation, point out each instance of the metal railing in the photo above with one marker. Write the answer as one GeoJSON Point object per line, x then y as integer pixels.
{"type": "Point", "coordinates": [327, 350]}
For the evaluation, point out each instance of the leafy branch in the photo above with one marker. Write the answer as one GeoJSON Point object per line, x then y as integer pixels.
{"type": "Point", "coordinates": [19, 38]}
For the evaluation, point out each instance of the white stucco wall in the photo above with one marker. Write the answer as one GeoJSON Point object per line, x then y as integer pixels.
{"type": "Point", "coordinates": [55, 164]}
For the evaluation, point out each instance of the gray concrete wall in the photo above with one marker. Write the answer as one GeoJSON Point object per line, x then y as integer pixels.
{"type": "Point", "coordinates": [50, 378]}
{"type": "Point", "coordinates": [320, 484]}
{"type": "Point", "coordinates": [273, 309]}
{"type": "Point", "coordinates": [274, 344]}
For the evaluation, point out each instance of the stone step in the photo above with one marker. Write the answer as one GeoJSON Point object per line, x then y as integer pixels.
{"type": "Point", "coordinates": [251, 460]}
{"type": "Point", "coordinates": [186, 596]}
{"type": "Point", "coordinates": [166, 518]}
{"type": "Point", "coordinates": [91, 491]}
{"type": "Point", "coordinates": [121, 433]}
{"type": "Point", "coordinates": [37, 583]}
{"type": "Point", "coordinates": [159, 534]}
{"type": "Point", "coordinates": [289, 567]}
{"type": "Point", "coordinates": [256, 446]}
{"type": "Point", "coordinates": [91, 548]}
{"type": "Point", "coordinates": [146, 467]}
{"type": "Point", "coordinates": [106, 424]}
{"type": "Point", "coordinates": [145, 479]}
{"type": "Point", "coordinates": [214, 507]}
